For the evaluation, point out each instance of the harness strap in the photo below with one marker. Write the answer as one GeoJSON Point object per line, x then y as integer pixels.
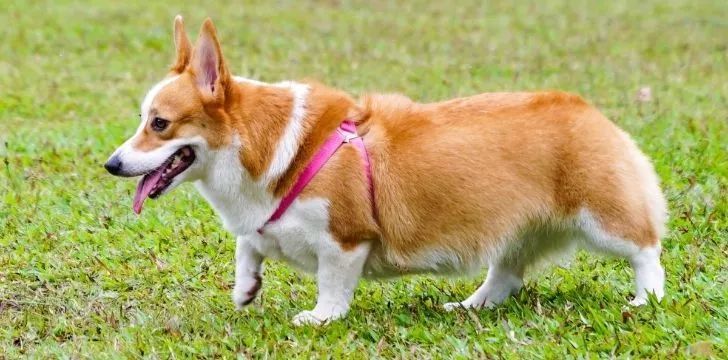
{"type": "Point", "coordinates": [346, 133]}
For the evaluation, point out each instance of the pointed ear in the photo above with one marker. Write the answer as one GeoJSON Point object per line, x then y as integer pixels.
{"type": "Point", "coordinates": [183, 46]}
{"type": "Point", "coordinates": [208, 65]}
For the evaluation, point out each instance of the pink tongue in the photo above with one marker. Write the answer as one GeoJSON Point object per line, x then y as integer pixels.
{"type": "Point", "coordinates": [146, 184]}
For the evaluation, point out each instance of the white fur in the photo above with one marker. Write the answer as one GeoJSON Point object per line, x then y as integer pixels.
{"type": "Point", "coordinates": [290, 142]}
{"type": "Point", "coordinates": [242, 204]}
{"type": "Point", "coordinates": [337, 276]}
{"type": "Point", "coordinates": [649, 275]}
{"type": "Point", "coordinates": [248, 268]}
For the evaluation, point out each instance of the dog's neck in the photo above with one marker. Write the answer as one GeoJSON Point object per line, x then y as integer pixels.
{"type": "Point", "coordinates": [277, 129]}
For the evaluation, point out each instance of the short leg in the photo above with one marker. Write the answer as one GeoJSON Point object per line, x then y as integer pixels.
{"type": "Point", "coordinates": [248, 266]}
{"type": "Point", "coordinates": [338, 275]}
{"type": "Point", "coordinates": [645, 261]}
{"type": "Point", "coordinates": [648, 275]}
{"type": "Point", "coordinates": [502, 281]}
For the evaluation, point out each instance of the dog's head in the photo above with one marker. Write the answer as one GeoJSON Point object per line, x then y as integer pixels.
{"type": "Point", "coordinates": [183, 118]}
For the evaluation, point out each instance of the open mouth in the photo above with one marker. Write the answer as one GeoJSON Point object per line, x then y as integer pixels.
{"type": "Point", "coordinates": [154, 183]}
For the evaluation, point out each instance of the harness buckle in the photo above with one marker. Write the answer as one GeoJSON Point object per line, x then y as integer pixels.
{"type": "Point", "coordinates": [347, 135]}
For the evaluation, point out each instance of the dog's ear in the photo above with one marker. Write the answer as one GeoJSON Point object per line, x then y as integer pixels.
{"type": "Point", "coordinates": [182, 45]}
{"type": "Point", "coordinates": [208, 65]}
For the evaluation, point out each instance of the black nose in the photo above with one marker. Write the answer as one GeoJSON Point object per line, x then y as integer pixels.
{"type": "Point", "coordinates": [113, 166]}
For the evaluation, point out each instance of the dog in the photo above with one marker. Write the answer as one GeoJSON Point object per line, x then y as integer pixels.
{"type": "Point", "coordinates": [503, 180]}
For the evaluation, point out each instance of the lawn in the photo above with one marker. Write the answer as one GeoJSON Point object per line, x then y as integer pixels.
{"type": "Point", "coordinates": [82, 276]}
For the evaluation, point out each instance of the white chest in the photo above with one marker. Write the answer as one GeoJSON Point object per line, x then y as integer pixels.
{"type": "Point", "coordinates": [299, 237]}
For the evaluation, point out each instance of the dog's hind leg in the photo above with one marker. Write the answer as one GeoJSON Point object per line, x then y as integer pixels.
{"type": "Point", "coordinates": [504, 279]}
{"type": "Point", "coordinates": [644, 257]}
{"type": "Point", "coordinates": [649, 275]}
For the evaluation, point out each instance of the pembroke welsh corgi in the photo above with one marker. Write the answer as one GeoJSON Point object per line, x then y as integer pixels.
{"type": "Point", "coordinates": [502, 180]}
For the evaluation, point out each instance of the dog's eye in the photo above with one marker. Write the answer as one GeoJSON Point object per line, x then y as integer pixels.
{"type": "Point", "coordinates": [159, 124]}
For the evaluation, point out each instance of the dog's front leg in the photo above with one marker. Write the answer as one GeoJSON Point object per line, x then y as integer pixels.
{"type": "Point", "coordinates": [248, 267]}
{"type": "Point", "coordinates": [338, 275]}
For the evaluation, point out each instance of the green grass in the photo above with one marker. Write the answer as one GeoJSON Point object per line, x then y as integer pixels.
{"type": "Point", "coordinates": [81, 276]}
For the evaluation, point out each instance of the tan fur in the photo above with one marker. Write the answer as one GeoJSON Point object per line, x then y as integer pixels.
{"type": "Point", "coordinates": [459, 175]}
{"type": "Point", "coordinates": [182, 45]}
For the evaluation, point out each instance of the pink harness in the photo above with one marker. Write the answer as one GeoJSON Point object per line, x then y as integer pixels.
{"type": "Point", "coordinates": [346, 133]}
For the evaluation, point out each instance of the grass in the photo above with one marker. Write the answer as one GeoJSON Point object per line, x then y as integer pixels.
{"type": "Point", "coordinates": [81, 276]}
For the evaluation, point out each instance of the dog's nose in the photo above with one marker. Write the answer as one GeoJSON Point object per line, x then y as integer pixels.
{"type": "Point", "coordinates": [113, 166]}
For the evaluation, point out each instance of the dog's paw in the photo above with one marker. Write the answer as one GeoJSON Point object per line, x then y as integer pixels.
{"type": "Point", "coordinates": [307, 318]}
{"type": "Point", "coordinates": [467, 305]}
{"type": "Point", "coordinates": [452, 306]}
{"type": "Point", "coordinates": [245, 291]}
{"type": "Point", "coordinates": [638, 301]}
{"type": "Point", "coordinates": [318, 317]}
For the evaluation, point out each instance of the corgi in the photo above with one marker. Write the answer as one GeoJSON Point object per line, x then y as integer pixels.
{"type": "Point", "coordinates": [503, 180]}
